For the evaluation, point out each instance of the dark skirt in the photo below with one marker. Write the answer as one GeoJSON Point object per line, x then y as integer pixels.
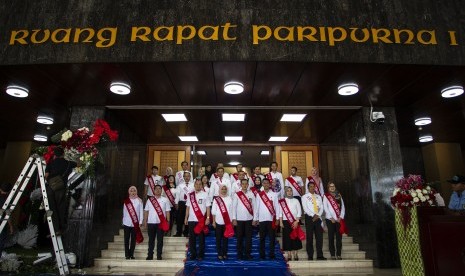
{"type": "Point", "coordinates": [288, 244]}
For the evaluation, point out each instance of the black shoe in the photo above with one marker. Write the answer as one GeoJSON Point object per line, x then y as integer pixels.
{"type": "Point", "coordinates": [339, 258]}
{"type": "Point", "coordinates": [333, 258]}
{"type": "Point", "coordinates": [321, 258]}
{"type": "Point", "coordinates": [262, 258]}
{"type": "Point", "coordinates": [296, 258]}
{"type": "Point", "coordinates": [132, 258]}
{"type": "Point", "coordinates": [272, 257]}
{"type": "Point", "coordinates": [310, 258]}
{"type": "Point", "coordinates": [225, 257]}
{"type": "Point", "coordinates": [177, 235]}
{"type": "Point", "coordinates": [199, 259]}
{"type": "Point", "coordinates": [149, 258]}
{"type": "Point", "coordinates": [248, 258]}
{"type": "Point", "coordinates": [240, 257]}
{"type": "Point", "coordinates": [127, 258]}
{"type": "Point", "coordinates": [159, 258]}
{"type": "Point", "coordinates": [192, 258]}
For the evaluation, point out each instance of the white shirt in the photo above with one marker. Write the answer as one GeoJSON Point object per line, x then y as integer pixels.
{"type": "Point", "coordinates": [153, 216]}
{"type": "Point", "coordinates": [183, 191]}
{"type": "Point", "coordinates": [261, 212]}
{"type": "Point", "coordinates": [299, 182]}
{"type": "Point", "coordinates": [156, 179]}
{"type": "Point", "coordinates": [217, 212]}
{"type": "Point", "coordinates": [329, 211]}
{"type": "Point", "coordinates": [214, 177]}
{"type": "Point", "coordinates": [279, 188]}
{"type": "Point", "coordinates": [215, 187]}
{"type": "Point", "coordinates": [174, 192]}
{"type": "Point", "coordinates": [239, 211]}
{"type": "Point", "coordinates": [307, 204]}
{"type": "Point", "coordinates": [235, 187]}
{"type": "Point", "coordinates": [179, 177]}
{"type": "Point", "coordinates": [294, 206]}
{"type": "Point", "coordinates": [139, 207]}
{"type": "Point", "coordinates": [322, 190]}
{"type": "Point", "coordinates": [203, 202]}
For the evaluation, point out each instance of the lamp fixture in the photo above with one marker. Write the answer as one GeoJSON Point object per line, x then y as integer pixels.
{"type": "Point", "coordinates": [277, 139]}
{"type": "Point", "coordinates": [234, 163]}
{"type": "Point", "coordinates": [422, 121]}
{"type": "Point", "coordinates": [292, 117]}
{"type": "Point", "coordinates": [40, 138]}
{"type": "Point", "coordinates": [233, 117]}
{"type": "Point", "coordinates": [233, 138]}
{"type": "Point", "coordinates": [174, 117]}
{"type": "Point", "coordinates": [17, 91]}
{"type": "Point", "coordinates": [233, 87]}
{"type": "Point", "coordinates": [45, 120]}
{"type": "Point", "coordinates": [201, 152]}
{"type": "Point", "coordinates": [425, 138]}
{"type": "Point", "coordinates": [233, 152]}
{"type": "Point", "coordinates": [265, 152]}
{"type": "Point", "coordinates": [347, 89]}
{"type": "Point", "coordinates": [120, 88]}
{"type": "Point", "coordinates": [188, 138]}
{"type": "Point", "coordinates": [452, 91]}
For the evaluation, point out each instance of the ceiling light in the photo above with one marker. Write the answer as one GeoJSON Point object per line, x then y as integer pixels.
{"type": "Point", "coordinates": [425, 138]}
{"type": "Point", "coordinates": [45, 120]}
{"type": "Point", "coordinates": [40, 138]}
{"type": "Point", "coordinates": [265, 152]}
{"type": "Point", "coordinates": [174, 117]}
{"type": "Point", "coordinates": [293, 117]}
{"type": "Point", "coordinates": [452, 91]}
{"type": "Point", "coordinates": [422, 121]}
{"type": "Point", "coordinates": [201, 152]}
{"type": "Point", "coordinates": [188, 138]}
{"type": "Point", "coordinates": [278, 139]}
{"type": "Point", "coordinates": [233, 117]}
{"type": "Point", "coordinates": [17, 91]}
{"type": "Point", "coordinates": [234, 163]}
{"type": "Point", "coordinates": [120, 88]}
{"type": "Point", "coordinates": [233, 87]}
{"type": "Point", "coordinates": [347, 89]}
{"type": "Point", "coordinates": [233, 152]}
{"type": "Point", "coordinates": [233, 138]}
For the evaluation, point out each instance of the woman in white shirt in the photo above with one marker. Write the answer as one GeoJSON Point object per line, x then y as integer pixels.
{"type": "Point", "coordinates": [290, 245]}
{"type": "Point", "coordinates": [171, 183]}
{"type": "Point", "coordinates": [220, 224]}
{"type": "Point", "coordinates": [335, 212]}
{"type": "Point", "coordinates": [128, 225]}
{"type": "Point", "coordinates": [205, 184]}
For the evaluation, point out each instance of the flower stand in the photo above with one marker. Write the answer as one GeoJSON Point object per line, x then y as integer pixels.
{"type": "Point", "coordinates": [408, 240]}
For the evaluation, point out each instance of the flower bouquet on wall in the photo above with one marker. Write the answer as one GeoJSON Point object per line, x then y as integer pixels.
{"type": "Point", "coordinates": [410, 192]}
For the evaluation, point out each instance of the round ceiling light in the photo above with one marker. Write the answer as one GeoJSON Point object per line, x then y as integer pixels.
{"type": "Point", "coordinates": [17, 91]}
{"type": "Point", "coordinates": [45, 120]}
{"type": "Point", "coordinates": [233, 87]}
{"type": "Point", "coordinates": [40, 138]}
{"type": "Point", "coordinates": [452, 91]}
{"type": "Point", "coordinates": [120, 88]}
{"type": "Point", "coordinates": [425, 138]}
{"type": "Point", "coordinates": [347, 89]}
{"type": "Point", "coordinates": [422, 121]}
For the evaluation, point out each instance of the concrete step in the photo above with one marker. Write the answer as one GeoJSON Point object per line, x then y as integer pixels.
{"type": "Point", "coordinates": [141, 254]}
{"type": "Point", "coordinates": [349, 255]}
{"type": "Point", "coordinates": [123, 265]}
{"type": "Point", "coordinates": [145, 246]}
{"type": "Point", "coordinates": [344, 263]}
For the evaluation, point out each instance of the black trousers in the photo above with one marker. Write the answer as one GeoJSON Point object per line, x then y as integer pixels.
{"type": "Point", "coordinates": [200, 252]}
{"type": "Point", "coordinates": [221, 241]}
{"type": "Point", "coordinates": [265, 230]}
{"type": "Point", "coordinates": [173, 217]}
{"type": "Point", "coordinates": [244, 229]}
{"type": "Point", "coordinates": [288, 244]}
{"type": "Point", "coordinates": [310, 228]}
{"type": "Point", "coordinates": [333, 230]}
{"type": "Point", "coordinates": [58, 203]}
{"type": "Point", "coordinates": [129, 241]}
{"type": "Point", "coordinates": [155, 232]}
{"type": "Point", "coordinates": [180, 219]}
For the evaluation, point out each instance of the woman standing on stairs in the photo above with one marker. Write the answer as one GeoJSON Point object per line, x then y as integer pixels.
{"type": "Point", "coordinates": [335, 212]}
{"type": "Point", "coordinates": [133, 213]}
{"type": "Point", "coordinates": [294, 212]}
{"type": "Point", "coordinates": [221, 211]}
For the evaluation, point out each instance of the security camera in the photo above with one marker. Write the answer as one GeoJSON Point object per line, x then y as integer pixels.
{"type": "Point", "coordinates": [378, 117]}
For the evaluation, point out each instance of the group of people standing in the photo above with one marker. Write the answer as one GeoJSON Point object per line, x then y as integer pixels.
{"type": "Point", "coordinates": [233, 205]}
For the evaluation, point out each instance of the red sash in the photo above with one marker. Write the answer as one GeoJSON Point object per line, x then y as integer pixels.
{"type": "Point", "coordinates": [151, 184]}
{"type": "Point", "coordinates": [229, 230]}
{"type": "Point", "coordinates": [266, 200]}
{"type": "Point", "coordinates": [236, 176]}
{"type": "Point", "coordinates": [164, 225]}
{"type": "Point", "coordinates": [198, 213]}
{"type": "Point", "coordinates": [294, 184]}
{"type": "Point", "coordinates": [269, 176]}
{"type": "Point", "coordinates": [297, 232]}
{"type": "Point", "coordinates": [245, 201]}
{"type": "Point", "coordinates": [168, 194]}
{"type": "Point", "coordinates": [317, 185]}
{"type": "Point", "coordinates": [332, 201]}
{"type": "Point", "coordinates": [166, 177]}
{"type": "Point", "coordinates": [254, 191]}
{"type": "Point", "coordinates": [135, 220]}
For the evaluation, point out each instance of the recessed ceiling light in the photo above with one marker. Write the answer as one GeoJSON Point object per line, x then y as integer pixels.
{"type": "Point", "coordinates": [347, 89]}
{"type": "Point", "coordinates": [277, 139]}
{"type": "Point", "coordinates": [423, 121]}
{"type": "Point", "coordinates": [452, 91]}
{"type": "Point", "coordinates": [188, 138]}
{"type": "Point", "coordinates": [120, 88]}
{"type": "Point", "coordinates": [293, 117]}
{"type": "Point", "coordinates": [234, 163]}
{"type": "Point", "coordinates": [233, 117]}
{"type": "Point", "coordinates": [233, 138]}
{"type": "Point", "coordinates": [174, 117]}
{"type": "Point", "coordinates": [425, 138]}
{"type": "Point", "coordinates": [45, 120]}
{"type": "Point", "coordinates": [17, 91]}
{"type": "Point", "coordinates": [201, 152]}
{"type": "Point", "coordinates": [265, 152]}
{"type": "Point", "coordinates": [233, 152]}
{"type": "Point", "coordinates": [40, 138]}
{"type": "Point", "coordinates": [233, 87]}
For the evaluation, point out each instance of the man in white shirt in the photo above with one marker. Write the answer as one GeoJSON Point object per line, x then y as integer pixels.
{"type": "Point", "coordinates": [200, 199]}
{"type": "Point", "coordinates": [236, 185]}
{"type": "Point", "coordinates": [235, 176]}
{"type": "Point", "coordinates": [183, 189]}
{"type": "Point", "coordinates": [219, 180]}
{"type": "Point", "coordinates": [179, 177]}
{"type": "Point", "coordinates": [313, 209]}
{"type": "Point", "coordinates": [295, 182]}
{"type": "Point", "coordinates": [152, 222]}
{"type": "Point", "coordinates": [276, 179]}
{"type": "Point", "coordinates": [157, 180]}
{"type": "Point", "coordinates": [215, 175]}
{"type": "Point", "coordinates": [242, 217]}
{"type": "Point", "coordinates": [265, 215]}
